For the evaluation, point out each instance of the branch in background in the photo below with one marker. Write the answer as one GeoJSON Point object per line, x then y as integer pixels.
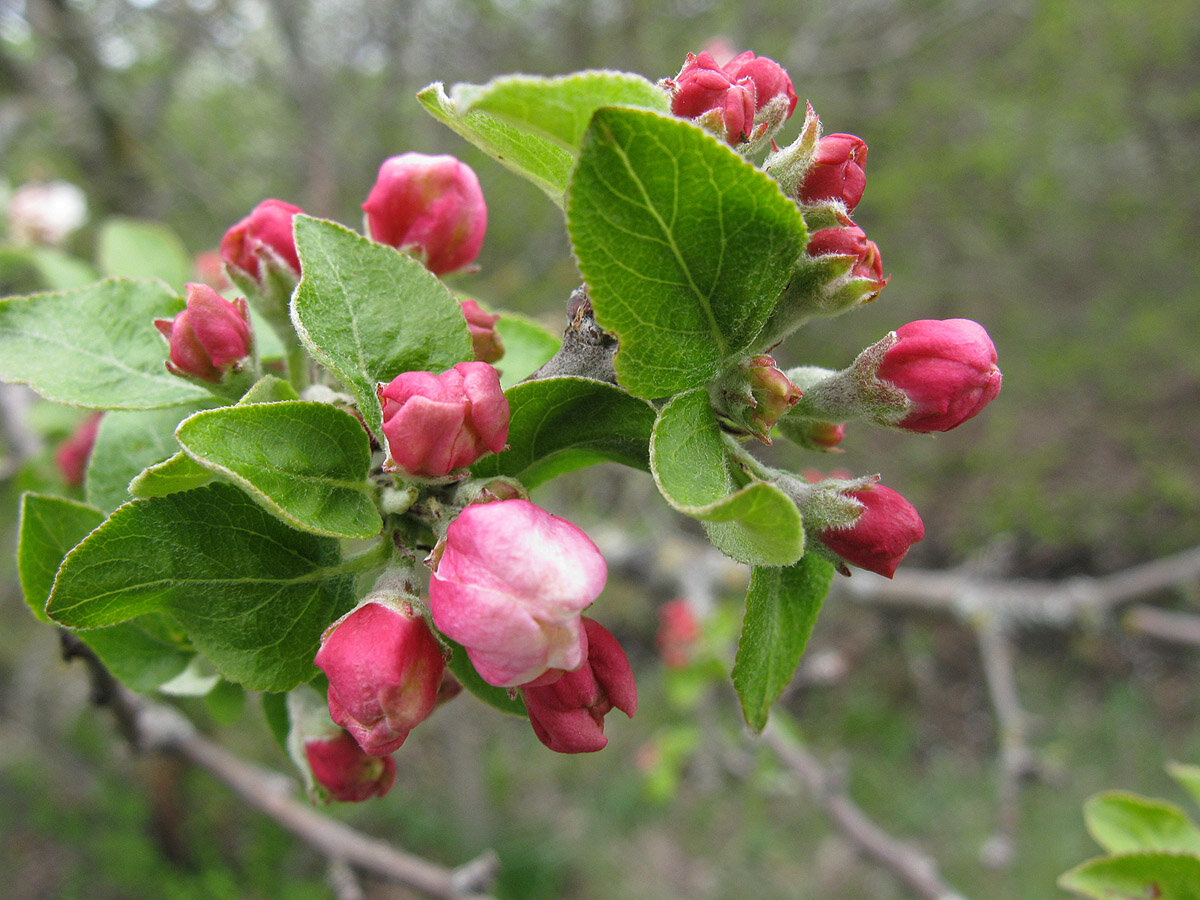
{"type": "Point", "coordinates": [907, 863]}
{"type": "Point", "coordinates": [151, 728]}
{"type": "Point", "coordinates": [1172, 627]}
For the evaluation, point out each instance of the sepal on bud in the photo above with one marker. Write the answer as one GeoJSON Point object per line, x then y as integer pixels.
{"type": "Point", "coordinates": [567, 714]}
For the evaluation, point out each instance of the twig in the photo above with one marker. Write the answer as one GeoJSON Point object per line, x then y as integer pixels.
{"type": "Point", "coordinates": [915, 869]}
{"type": "Point", "coordinates": [153, 727]}
{"type": "Point", "coordinates": [1172, 627]}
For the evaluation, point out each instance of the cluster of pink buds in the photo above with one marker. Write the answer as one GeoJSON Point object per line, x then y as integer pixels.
{"type": "Point", "coordinates": [210, 338]}
{"type": "Point", "coordinates": [742, 101]}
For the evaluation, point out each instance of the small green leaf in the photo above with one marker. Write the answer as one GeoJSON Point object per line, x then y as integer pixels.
{"type": "Point", "coordinates": [275, 711]}
{"type": "Point", "coordinates": [304, 462]}
{"type": "Point", "coordinates": [144, 653]}
{"type": "Point", "coordinates": [560, 108]}
{"type": "Point", "coordinates": [781, 610]}
{"type": "Point", "coordinates": [60, 272]}
{"type": "Point", "coordinates": [1136, 876]}
{"type": "Point", "coordinates": [558, 425]}
{"type": "Point", "coordinates": [684, 245]}
{"type": "Point", "coordinates": [133, 248]}
{"type": "Point", "coordinates": [128, 441]}
{"type": "Point", "coordinates": [368, 312]}
{"type": "Point", "coordinates": [95, 347]}
{"type": "Point", "coordinates": [755, 523]}
{"type": "Point", "coordinates": [527, 346]}
{"type": "Point", "coordinates": [460, 664]}
{"type": "Point", "coordinates": [252, 594]}
{"type": "Point", "coordinates": [539, 160]}
{"type": "Point", "coordinates": [49, 527]}
{"type": "Point", "coordinates": [1122, 822]}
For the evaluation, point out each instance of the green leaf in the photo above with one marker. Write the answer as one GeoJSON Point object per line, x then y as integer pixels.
{"type": "Point", "coordinates": [756, 523]}
{"type": "Point", "coordinates": [1187, 776]}
{"type": "Point", "coordinates": [539, 160]}
{"type": "Point", "coordinates": [142, 654]}
{"type": "Point", "coordinates": [59, 271]}
{"type": "Point", "coordinates": [1122, 822]}
{"type": "Point", "coordinates": [133, 248]}
{"type": "Point", "coordinates": [527, 346]}
{"type": "Point", "coordinates": [684, 245]}
{"type": "Point", "coordinates": [560, 108]}
{"type": "Point", "coordinates": [368, 312]}
{"type": "Point", "coordinates": [274, 706]}
{"type": "Point", "coordinates": [128, 441]}
{"type": "Point", "coordinates": [1135, 876]}
{"type": "Point", "coordinates": [49, 527]}
{"type": "Point", "coordinates": [306, 463]}
{"type": "Point", "coordinates": [179, 472]}
{"type": "Point", "coordinates": [460, 664]}
{"type": "Point", "coordinates": [781, 610]}
{"type": "Point", "coordinates": [252, 594]}
{"type": "Point", "coordinates": [558, 425]}
{"type": "Point", "coordinates": [95, 347]}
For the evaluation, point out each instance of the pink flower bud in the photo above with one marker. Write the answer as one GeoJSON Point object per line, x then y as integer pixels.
{"type": "Point", "coordinates": [850, 241]}
{"type": "Point", "coordinates": [209, 337]}
{"type": "Point", "coordinates": [430, 205]}
{"type": "Point", "coordinates": [568, 714]}
{"type": "Point", "coordinates": [263, 237]}
{"type": "Point", "coordinates": [827, 435]}
{"type": "Point", "coordinates": [881, 535]}
{"type": "Point", "coordinates": [678, 631]}
{"type": "Point", "coordinates": [435, 424]}
{"type": "Point", "coordinates": [510, 585]}
{"type": "Point", "coordinates": [836, 172]}
{"type": "Point", "coordinates": [384, 667]}
{"type": "Point", "coordinates": [73, 453]}
{"type": "Point", "coordinates": [702, 88]}
{"type": "Point", "coordinates": [947, 368]}
{"type": "Point", "coordinates": [773, 393]}
{"type": "Point", "coordinates": [339, 765]}
{"type": "Point", "coordinates": [485, 342]}
{"type": "Point", "coordinates": [770, 79]}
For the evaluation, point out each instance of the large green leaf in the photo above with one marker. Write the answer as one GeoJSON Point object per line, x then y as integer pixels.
{"type": "Point", "coordinates": [134, 248]}
{"type": "Point", "coordinates": [1122, 822]}
{"type": "Point", "coordinates": [1133, 876]}
{"type": "Point", "coordinates": [142, 653]}
{"type": "Point", "coordinates": [368, 312]}
{"type": "Point", "coordinates": [755, 522]}
{"type": "Point", "coordinates": [684, 245]}
{"type": "Point", "coordinates": [251, 593]}
{"type": "Point", "coordinates": [304, 462]}
{"type": "Point", "coordinates": [781, 610]}
{"type": "Point", "coordinates": [96, 346]}
{"type": "Point", "coordinates": [561, 424]}
{"type": "Point", "coordinates": [127, 442]}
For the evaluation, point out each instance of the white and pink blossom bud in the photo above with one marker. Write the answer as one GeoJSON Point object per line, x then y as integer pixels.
{"type": "Point", "coordinates": [210, 337]}
{"type": "Point", "coordinates": [568, 714]}
{"type": "Point", "coordinates": [435, 424]}
{"type": "Point", "coordinates": [344, 772]}
{"type": "Point", "coordinates": [430, 206]}
{"type": "Point", "coordinates": [261, 241]}
{"type": "Point", "coordinates": [947, 370]}
{"type": "Point", "coordinates": [510, 584]}
{"type": "Point", "coordinates": [384, 668]}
